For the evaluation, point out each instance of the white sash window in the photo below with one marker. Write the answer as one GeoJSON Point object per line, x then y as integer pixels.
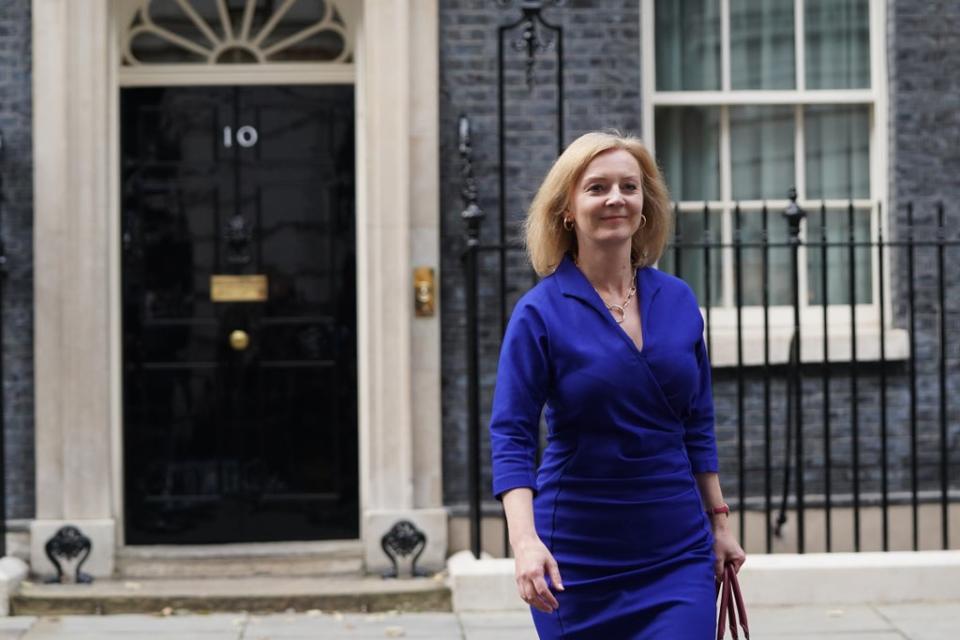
{"type": "Point", "coordinates": [744, 99]}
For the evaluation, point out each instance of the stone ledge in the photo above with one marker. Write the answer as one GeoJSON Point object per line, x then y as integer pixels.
{"type": "Point", "coordinates": [262, 595]}
{"type": "Point", "coordinates": [851, 578]}
{"type": "Point", "coordinates": [776, 579]}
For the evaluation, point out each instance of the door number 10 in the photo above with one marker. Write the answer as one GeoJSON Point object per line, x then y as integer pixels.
{"type": "Point", "coordinates": [246, 136]}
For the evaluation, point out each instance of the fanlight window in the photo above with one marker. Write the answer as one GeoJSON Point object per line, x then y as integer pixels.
{"type": "Point", "coordinates": [237, 31]}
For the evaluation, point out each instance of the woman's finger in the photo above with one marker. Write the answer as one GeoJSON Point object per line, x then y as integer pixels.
{"type": "Point", "coordinates": [554, 572]}
{"type": "Point", "coordinates": [543, 591]}
{"type": "Point", "coordinates": [532, 598]}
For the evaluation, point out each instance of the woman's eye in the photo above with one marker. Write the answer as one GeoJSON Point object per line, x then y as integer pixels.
{"type": "Point", "coordinates": [630, 187]}
{"type": "Point", "coordinates": [595, 187]}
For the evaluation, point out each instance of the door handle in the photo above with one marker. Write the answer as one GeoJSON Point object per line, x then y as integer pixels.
{"type": "Point", "coordinates": [239, 340]}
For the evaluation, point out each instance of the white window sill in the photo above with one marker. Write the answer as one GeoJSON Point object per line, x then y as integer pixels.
{"type": "Point", "coordinates": [723, 351]}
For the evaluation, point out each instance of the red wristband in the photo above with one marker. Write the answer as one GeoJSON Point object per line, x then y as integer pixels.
{"type": "Point", "coordinates": [723, 508]}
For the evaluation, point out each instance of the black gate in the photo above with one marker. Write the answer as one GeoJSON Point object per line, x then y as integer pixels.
{"type": "Point", "coordinates": [239, 327]}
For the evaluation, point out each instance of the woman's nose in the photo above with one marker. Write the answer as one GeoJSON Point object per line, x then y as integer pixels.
{"type": "Point", "coordinates": [615, 197]}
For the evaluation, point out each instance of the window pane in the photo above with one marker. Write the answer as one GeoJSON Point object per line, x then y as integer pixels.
{"type": "Point", "coordinates": [836, 232]}
{"type": "Point", "coordinates": [837, 44]}
{"type": "Point", "coordinates": [686, 259]}
{"type": "Point", "coordinates": [838, 151]}
{"type": "Point", "coordinates": [779, 279]}
{"type": "Point", "coordinates": [688, 150]}
{"type": "Point", "coordinates": [761, 44]}
{"type": "Point", "coordinates": [761, 151]}
{"type": "Point", "coordinates": [688, 45]}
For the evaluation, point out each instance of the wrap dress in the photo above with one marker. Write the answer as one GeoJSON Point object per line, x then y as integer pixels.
{"type": "Point", "coordinates": [615, 497]}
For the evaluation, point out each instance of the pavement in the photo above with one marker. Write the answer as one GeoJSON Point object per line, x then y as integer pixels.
{"type": "Point", "coordinates": [919, 621]}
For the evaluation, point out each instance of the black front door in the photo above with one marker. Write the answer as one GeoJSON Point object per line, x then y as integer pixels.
{"type": "Point", "coordinates": [239, 323]}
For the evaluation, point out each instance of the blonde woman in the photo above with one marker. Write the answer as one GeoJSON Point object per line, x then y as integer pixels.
{"type": "Point", "coordinates": [621, 531]}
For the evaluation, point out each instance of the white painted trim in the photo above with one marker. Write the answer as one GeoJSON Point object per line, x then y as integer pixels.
{"type": "Point", "coordinates": [799, 44]}
{"type": "Point", "coordinates": [774, 205]}
{"type": "Point", "coordinates": [725, 45]}
{"type": "Point", "coordinates": [246, 74]}
{"type": "Point", "coordinates": [726, 196]}
{"type": "Point", "coordinates": [648, 74]}
{"type": "Point", "coordinates": [363, 257]}
{"type": "Point", "coordinates": [754, 97]}
{"type": "Point", "coordinates": [115, 293]}
{"type": "Point", "coordinates": [724, 350]}
{"type": "Point", "coordinates": [880, 128]}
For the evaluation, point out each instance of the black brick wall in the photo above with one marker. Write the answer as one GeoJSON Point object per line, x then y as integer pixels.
{"type": "Point", "coordinates": [602, 78]}
{"type": "Point", "coordinates": [16, 210]}
{"type": "Point", "coordinates": [601, 44]}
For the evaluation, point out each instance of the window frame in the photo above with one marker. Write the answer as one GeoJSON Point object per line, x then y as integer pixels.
{"type": "Point", "coordinates": [723, 317]}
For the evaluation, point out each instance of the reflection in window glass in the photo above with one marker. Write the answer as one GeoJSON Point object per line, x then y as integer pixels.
{"type": "Point", "coordinates": [761, 151]}
{"type": "Point", "coordinates": [837, 139]}
{"type": "Point", "coordinates": [686, 259]}
{"type": "Point", "coordinates": [688, 150]}
{"type": "Point", "coordinates": [833, 226]}
{"type": "Point", "coordinates": [688, 45]}
{"type": "Point", "coordinates": [761, 44]}
{"type": "Point", "coordinates": [779, 279]}
{"type": "Point", "coordinates": [837, 44]}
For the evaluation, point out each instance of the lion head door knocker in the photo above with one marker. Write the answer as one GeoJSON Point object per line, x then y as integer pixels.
{"type": "Point", "coordinates": [67, 544]}
{"type": "Point", "coordinates": [404, 539]}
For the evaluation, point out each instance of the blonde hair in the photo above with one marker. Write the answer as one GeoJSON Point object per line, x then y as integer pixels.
{"type": "Point", "coordinates": [547, 240]}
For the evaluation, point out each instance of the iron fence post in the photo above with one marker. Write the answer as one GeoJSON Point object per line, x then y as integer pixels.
{"type": "Point", "coordinates": [794, 215]}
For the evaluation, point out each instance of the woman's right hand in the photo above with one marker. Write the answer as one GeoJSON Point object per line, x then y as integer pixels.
{"type": "Point", "coordinates": [533, 562]}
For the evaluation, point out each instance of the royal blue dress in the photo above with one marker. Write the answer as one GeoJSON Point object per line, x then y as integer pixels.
{"type": "Point", "coordinates": [616, 501]}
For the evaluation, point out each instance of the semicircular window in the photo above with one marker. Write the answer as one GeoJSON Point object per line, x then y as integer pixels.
{"type": "Point", "coordinates": [239, 32]}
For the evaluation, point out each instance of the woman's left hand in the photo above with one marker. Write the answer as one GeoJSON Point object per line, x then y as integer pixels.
{"type": "Point", "coordinates": [726, 548]}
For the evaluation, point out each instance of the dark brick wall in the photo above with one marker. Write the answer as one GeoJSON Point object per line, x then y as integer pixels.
{"type": "Point", "coordinates": [16, 210]}
{"type": "Point", "coordinates": [601, 59]}
{"type": "Point", "coordinates": [601, 50]}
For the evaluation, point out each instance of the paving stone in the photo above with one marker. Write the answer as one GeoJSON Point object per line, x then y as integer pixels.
{"type": "Point", "coordinates": [484, 622]}
{"type": "Point", "coordinates": [144, 624]}
{"type": "Point", "coordinates": [924, 621]}
{"type": "Point", "coordinates": [815, 619]}
{"type": "Point", "coordinates": [16, 623]}
{"type": "Point", "coordinates": [442, 626]}
{"type": "Point", "coordinates": [52, 634]}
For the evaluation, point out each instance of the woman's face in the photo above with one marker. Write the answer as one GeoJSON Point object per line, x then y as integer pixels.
{"type": "Point", "coordinates": [607, 200]}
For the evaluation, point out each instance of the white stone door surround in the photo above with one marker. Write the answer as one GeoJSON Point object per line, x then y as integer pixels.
{"type": "Point", "coordinates": [77, 281]}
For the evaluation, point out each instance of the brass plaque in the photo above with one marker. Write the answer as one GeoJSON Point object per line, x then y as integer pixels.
{"type": "Point", "coordinates": [238, 288]}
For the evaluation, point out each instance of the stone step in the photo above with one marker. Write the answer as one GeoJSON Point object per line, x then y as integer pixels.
{"type": "Point", "coordinates": [255, 595]}
{"type": "Point", "coordinates": [280, 559]}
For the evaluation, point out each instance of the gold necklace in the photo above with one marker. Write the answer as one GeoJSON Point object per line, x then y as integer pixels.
{"type": "Point", "coordinates": [619, 308]}
{"type": "Point", "coordinates": [614, 308]}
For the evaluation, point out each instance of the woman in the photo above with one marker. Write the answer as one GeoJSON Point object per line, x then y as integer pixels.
{"type": "Point", "coordinates": [620, 533]}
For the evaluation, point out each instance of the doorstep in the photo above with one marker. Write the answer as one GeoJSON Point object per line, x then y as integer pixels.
{"type": "Point", "coordinates": [254, 594]}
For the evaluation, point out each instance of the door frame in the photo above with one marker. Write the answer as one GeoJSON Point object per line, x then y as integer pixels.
{"type": "Point", "coordinates": [78, 361]}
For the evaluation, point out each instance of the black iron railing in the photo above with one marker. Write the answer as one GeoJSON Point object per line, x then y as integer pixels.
{"type": "Point", "coordinates": [874, 429]}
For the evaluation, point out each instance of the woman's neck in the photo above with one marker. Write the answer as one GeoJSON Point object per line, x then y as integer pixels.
{"type": "Point", "coordinates": [610, 272]}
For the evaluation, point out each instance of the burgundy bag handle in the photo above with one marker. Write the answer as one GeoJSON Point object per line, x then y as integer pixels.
{"type": "Point", "coordinates": [731, 603]}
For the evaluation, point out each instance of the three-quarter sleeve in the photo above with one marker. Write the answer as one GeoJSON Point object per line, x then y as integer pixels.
{"type": "Point", "coordinates": [699, 434]}
{"type": "Point", "coordinates": [523, 379]}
